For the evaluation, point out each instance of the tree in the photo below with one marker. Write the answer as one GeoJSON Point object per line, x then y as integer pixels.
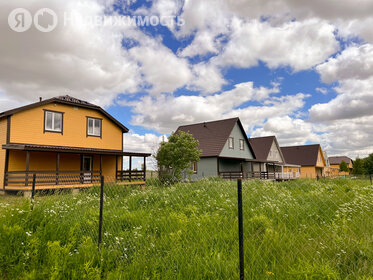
{"type": "Point", "coordinates": [175, 156]}
{"type": "Point", "coordinates": [368, 164]}
{"type": "Point", "coordinates": [343, 167]}
{"type": "Point", "coordinates": [358, 168]}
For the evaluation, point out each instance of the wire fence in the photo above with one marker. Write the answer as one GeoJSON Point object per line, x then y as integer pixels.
{"type": "Point", "coordinates": [300, 229]}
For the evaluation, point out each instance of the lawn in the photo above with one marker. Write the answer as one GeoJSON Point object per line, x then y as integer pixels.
{"type": "Point", "coordinates": [292, 230]}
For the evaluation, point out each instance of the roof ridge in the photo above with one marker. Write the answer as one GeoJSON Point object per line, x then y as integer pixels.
{"type": "Point", "coordinates": [235, 118]}
{"type": "Point", "coordinates": [307, 145]}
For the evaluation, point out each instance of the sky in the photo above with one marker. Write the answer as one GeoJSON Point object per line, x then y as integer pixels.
{"type": "Point", "coordinates": [298, 69]}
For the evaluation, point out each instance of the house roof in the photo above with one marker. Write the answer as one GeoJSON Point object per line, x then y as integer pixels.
{"type": "Point", "coordinates": [68, 149]}
{"type": "Point", "coordinates": [68, 100]}
{"type": "Point", "coordinates": [305, 155]}
{"type": "Point", "coordinates": [212, 136]}
{"type": "Point", "coordinates": [338, 160]}
{"type": "Point", "coordinates": [261, 146]}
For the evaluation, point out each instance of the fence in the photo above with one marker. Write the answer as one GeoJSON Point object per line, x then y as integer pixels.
{"type": "Point", "coordinates": [305, 229]}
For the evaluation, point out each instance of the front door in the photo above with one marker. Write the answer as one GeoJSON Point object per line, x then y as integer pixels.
{"type": "Point", "coordinates": [87, 169]}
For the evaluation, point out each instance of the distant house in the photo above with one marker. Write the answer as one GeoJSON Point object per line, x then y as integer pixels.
{"type": "Point", "coordinates": [65, 142]}
{"type": "Point", "coordinates": [309, 157]}
{"type": "Point", "coordinates": [226, 150]}
{"type": "Point", "coordinates": [336, 161]}
{"type": "Point", "coordinates": [330, 171]}
{"type": "Point", "coordinates": [267, 149]}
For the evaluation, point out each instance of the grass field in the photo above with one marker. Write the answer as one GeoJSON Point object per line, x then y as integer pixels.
{"type": "Point", "coordinates": [293, 230]}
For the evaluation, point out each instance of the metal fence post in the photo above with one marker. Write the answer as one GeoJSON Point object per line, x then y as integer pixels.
{"type": "Point", "coordinates": [33, 190]}
{"type": "Point", "coordinates": [101, 210]}
{"type": "Point", "coordinates": [240, 228]}
{"type": "Point", "coordinates": [370, 177]}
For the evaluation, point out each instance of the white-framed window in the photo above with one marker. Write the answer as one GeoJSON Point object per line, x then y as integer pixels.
{"type": "Point", "coordinates": [242, 144]}
{"type": "Point", "coordinates": [94, 127]}
{"type": "Point", "coordinates": [230, 143]}
{"type": "Point", "coordinates": [53, 121]}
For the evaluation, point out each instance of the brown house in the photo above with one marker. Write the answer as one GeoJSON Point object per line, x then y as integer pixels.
{"type": "Point", "coordinates": [309, 157]}
{"type": "Point", "coordinates": [336, 161]}
{"type": "Point", "coordinates": [268, 149]}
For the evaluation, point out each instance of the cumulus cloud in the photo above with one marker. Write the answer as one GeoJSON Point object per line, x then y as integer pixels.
{"type": "Point", "coordinates": [355, 62]}
{"type": "Point", "coordinates": [300, 45]}
{"type": "Point", "coordinates": [289, 131]}
{"type": "Point", "coordinates": [86, 61]}
{"type": "Point", "coordinates": [150, 111]}
{"type": "Point", "coordinates": [355, 99]}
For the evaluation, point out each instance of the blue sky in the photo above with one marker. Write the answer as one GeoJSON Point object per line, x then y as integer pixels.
{"type": "Point", "coordinates": [300, 70]}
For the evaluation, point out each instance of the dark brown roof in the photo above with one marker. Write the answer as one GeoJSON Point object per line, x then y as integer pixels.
{"type": "Point", "coordinates": [338, 160]}
{"type": "Point", "coordinates": [305, 155]}
{"type": "Point", "coordinates": [212, 136]}
{"type": "Point", "coordinates": [261, 146]}
{"type": "Point", "coordinates": [68, 149]}
{"type": "Point", "coordinates": [68, 100]}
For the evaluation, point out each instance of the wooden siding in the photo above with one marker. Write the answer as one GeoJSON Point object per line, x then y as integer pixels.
{"type": "Point", "coordinates": [108, 168]}
{"type": "Point", "coordinates": [17, 160]}
{"type": "Point", "coordinates": [3, 133]}
{"type": "Point", "coordinates": [74, 128]}
{"type": "Point", "coordinates": [320, 159]}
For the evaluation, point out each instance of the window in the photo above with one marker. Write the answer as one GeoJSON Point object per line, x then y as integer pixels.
{"type": "Point", "coordinates": [94, 127]}
{"type": "Point", "coordinates": [53, 121]}
{"type": "Point", "coordinates": [194, 166]}
{"type": "Point", "coordinates": [242, 144]}
{"type": "Point", "coordinates": [230, 143]}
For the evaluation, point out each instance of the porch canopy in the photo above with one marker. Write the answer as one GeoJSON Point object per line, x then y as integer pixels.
{"type": "Point", "coordinates": [242, 173]}
{"type": "Point", "coordinates": [72, 176]}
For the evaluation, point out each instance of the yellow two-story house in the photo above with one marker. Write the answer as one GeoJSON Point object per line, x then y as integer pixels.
{"type": "Point", "coordinates": [62, 142]}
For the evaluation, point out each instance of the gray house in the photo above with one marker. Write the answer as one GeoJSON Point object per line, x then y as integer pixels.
{"type": "Point", "coordinates": [268, 150]}
{"type": "Point", "coordinates": [226, 150]}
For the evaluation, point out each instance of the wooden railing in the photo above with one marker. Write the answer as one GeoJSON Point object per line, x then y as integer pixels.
{"type": "Point", "coordinates": [47, 178]}
{"type": "Point", "coordinates": [231, 175]}
{"type": "Point", "coordinates": [259, 175]}
{"type": "Point", "coordinates": [287, 175]}
{"type": "Point", "coordinates": [131, 175]}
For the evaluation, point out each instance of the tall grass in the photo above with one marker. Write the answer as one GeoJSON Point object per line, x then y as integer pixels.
{"type": "Point", "coordinates": [293, 230]}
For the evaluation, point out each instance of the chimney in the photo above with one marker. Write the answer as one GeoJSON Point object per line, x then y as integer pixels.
{"type": "Point", "coordinates": [40, 99]}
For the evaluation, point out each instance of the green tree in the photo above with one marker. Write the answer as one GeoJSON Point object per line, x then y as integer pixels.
{"type": "Point", "coordinates": [343, 166]}
{"type": "Point", "coordinates": [358, 168]}
{"type": "Point", "coordinates": [368, 164]}
{"type": "Point", "coordinates": [175, 156]}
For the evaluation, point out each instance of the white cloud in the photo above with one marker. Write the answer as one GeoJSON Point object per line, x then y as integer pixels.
{"type": "Point", "coordinates": [300, 45]}
{"type": "Point", "coordinates": [355, 99]}
{"type": "Point", "coordinates": [355, 62]}
{"type": "Point", "coordinates": [288, 131]}
{"type": "Point", "coordinates": [86, 61]}
{"type": "Point", "coordinates": [349, 137]}
{"type": "Point", "coordinates": [166, 112]}
{"type": "Point", "coordinates": [322, 90]}
{"type": "Point", "coordinates": [203, 43]}
{"type": "Point", "coordinates": [162, 69]}
{"type": "Point", "coordinates": [207, 78]}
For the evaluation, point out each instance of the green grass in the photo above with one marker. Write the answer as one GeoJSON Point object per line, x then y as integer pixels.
{"type": "Point", "coordinates": [293, 230]}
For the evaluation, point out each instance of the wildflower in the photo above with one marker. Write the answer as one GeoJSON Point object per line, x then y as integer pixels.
{"type": "Point", "coordinates": [270, 273]}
